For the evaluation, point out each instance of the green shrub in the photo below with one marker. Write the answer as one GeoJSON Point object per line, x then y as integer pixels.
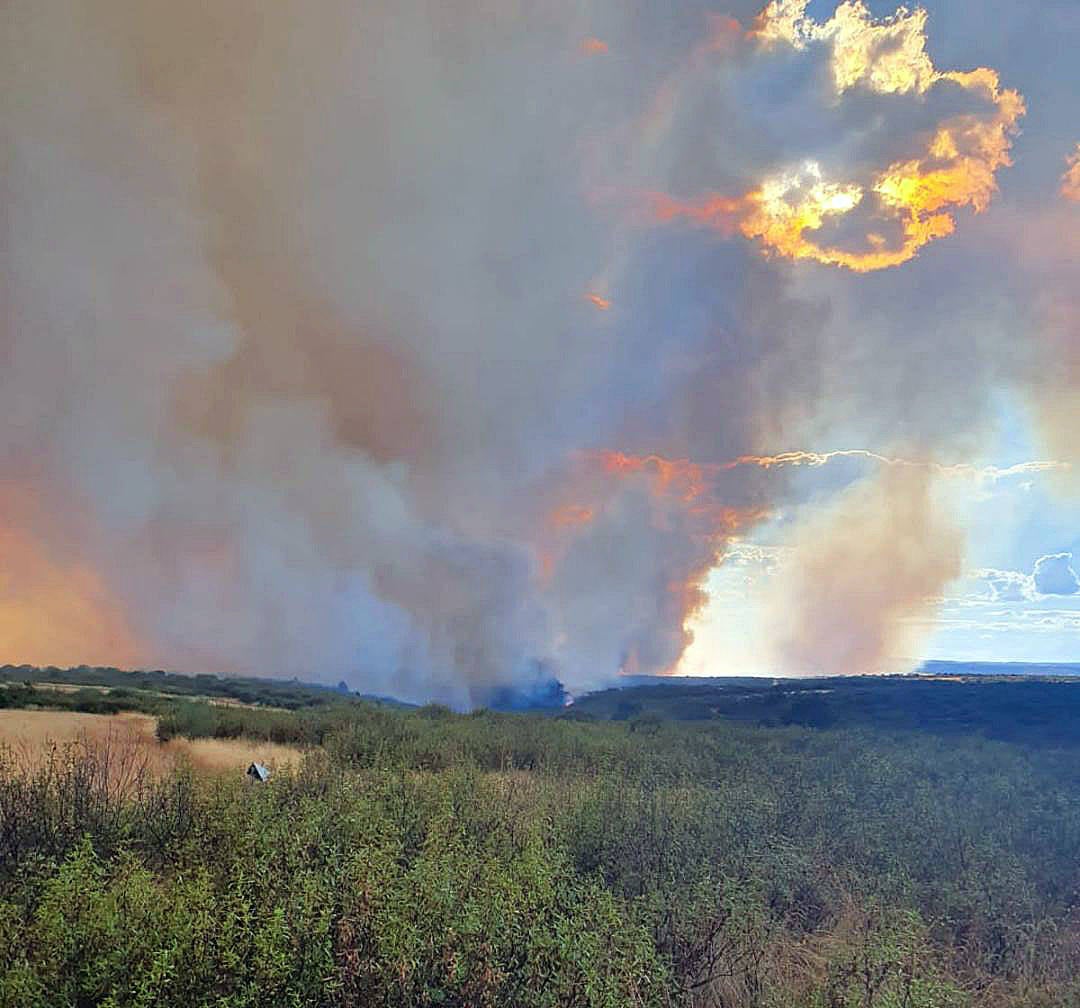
{"type": "Point", "coordinates": [428, 858]}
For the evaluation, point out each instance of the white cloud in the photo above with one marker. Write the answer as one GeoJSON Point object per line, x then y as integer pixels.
{"type": "Point", "coordinates": [1007, 585]}
{"type": "Point", "coordinates": [1054, 575]}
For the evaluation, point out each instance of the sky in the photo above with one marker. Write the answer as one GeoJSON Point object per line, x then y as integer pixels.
{"type": "Point", "coordinates": [449, 349]}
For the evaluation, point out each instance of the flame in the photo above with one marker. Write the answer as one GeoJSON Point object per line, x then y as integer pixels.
{"type": "Point", "coordinates": [915, 197]}
{"type": "Point", "coordinates": [1070, 181]}
{"type": "Point", "coordinates": [593, 47]}
{"type": "Point", "coordinates": [599, 301]}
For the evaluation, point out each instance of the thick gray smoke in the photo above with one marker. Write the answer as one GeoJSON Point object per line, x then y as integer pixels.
{"type": "Point", "coordinates": [297, 362]}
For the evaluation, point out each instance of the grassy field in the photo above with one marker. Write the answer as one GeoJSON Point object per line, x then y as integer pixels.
{"type": "Point", "coordinates": [31, 734]}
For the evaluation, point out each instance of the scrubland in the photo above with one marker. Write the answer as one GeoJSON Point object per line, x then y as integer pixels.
{"type": "Point", "coordinates": [415, 858]}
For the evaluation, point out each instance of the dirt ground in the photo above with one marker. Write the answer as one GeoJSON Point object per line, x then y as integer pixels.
{"type": "Point", "coordinates": [30, 734]}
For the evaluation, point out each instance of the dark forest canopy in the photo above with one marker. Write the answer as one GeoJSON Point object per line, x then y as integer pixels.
{"type": "Point", "coordinates": [1033, 710]}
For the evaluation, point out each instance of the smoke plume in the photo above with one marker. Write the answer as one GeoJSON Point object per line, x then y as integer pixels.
{"type": "Point", "coordinates": [336, 342]}
{"type": "Point", "coordinates": [862, 576]}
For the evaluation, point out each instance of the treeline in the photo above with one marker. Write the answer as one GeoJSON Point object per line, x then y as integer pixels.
{"type": "Point", "coordinates": [310, 727]}
{"type": "Point", "coordinates": [1027, 710]}
{"type": "Point", "coordinates": [423, 858]}
{"type": "Point", "coordinates": [292, 695]}
{"type": "Point", "coordinates": [23, 696]}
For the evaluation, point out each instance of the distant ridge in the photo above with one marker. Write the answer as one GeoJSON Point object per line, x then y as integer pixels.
{"type": "Point", "coordinates": [936, 667]}
{"type": "Point", "coordinates": [1053, 669]}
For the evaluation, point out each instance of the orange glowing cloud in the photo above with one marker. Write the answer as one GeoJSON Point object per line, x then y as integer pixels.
{"type": "Point", "coordinates": [598, 301]}
{"type": "Point", "coordinates": [571, 515]}
{"type": "Point", "coordinates": [57, 613]}
{"type": "Point", "coordinates": [594, 47]}
{"type": "Point", "coordinates": [721, 213]}
{"type": "Point", "coordinates": [690, 484]}
{"type": "Point", "coordinates": [888, 211]}
{"type": "Point", "coordinates": [681, 477]}
{"type": "Point", "coordinates": [1070, 181]}
{"type": "Point", "coordinates": [556, 537]}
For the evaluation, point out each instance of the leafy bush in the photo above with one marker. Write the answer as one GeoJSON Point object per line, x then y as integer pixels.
{"type": "Point", "coordinates": [428, 858]}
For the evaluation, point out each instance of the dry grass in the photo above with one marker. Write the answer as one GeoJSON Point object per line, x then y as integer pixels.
{"type": "Point", "coordinates": [22, 728]}
{"type": "Point", "coordinates": [213, 755]}
{"type": "Point", "coordinates": [31, 734]}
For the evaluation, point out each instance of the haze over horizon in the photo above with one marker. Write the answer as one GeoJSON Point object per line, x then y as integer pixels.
{"type": "Point", "coordinates": [450, 351]}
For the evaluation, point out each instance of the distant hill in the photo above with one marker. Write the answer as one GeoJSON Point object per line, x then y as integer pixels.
{"type": "Point", "coordinates": [1035, 708]}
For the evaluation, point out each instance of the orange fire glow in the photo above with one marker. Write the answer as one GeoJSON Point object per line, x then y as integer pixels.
{"type": "Point", "coordinates": [721, 213]}
{"type": "Point", "coordinates": [594, 47]}
{"type": "Point", "coordinates": [599, 301]}
{"type": "Point", "coordinates": [724, 34]}
{"type": "Point", "coordinates": [56, 613]}
{"type": "Point", "coordinates": [1070, 181]}
{"type": "Point", "coordinates": [682, 477]}
{"type": "Point", "coordinates": [571, 515]}
{"type": "Point", "coordinates": [689, 483]}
